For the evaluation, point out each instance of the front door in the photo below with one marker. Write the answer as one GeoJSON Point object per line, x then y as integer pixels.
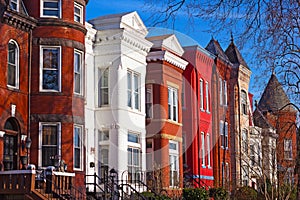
{"type": "Point", "coordinates": [10, 157]}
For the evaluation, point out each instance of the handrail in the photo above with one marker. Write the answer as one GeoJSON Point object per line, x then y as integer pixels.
{"type": "Point", "coordinates": [133, 189]}
{"type": "Point", "coordinates": [56, 187]}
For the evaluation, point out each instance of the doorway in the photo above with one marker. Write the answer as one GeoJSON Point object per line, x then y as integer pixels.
{"type": "Point", "coordinates": [10, 147]}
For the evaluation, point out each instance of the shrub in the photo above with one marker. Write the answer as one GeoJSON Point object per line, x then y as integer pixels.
{"type": "Point", "coordinates": [195, 193]}
{"type": "Point", "coordinates": [218, 193]}
{"type": "Point", "coordinates": [246, 193]}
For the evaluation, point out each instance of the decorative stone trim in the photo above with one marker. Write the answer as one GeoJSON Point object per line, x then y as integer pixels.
{"type": "Point", "coordinates": [59, 42]}
{"type": "Point", "coordinates": [60, 22]}
{"type": "Point", "coordinates": [168, 137]}
{"type": "Point", "coordinates": [57, 118]}
{"type": "Point", "coordinates": [168, 57]}
{"type": "Point", "coordinates": [19, 21]}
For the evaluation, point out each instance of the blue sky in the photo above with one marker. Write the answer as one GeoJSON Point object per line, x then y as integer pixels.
{"type": "Point", "coordinates": [197, 32]}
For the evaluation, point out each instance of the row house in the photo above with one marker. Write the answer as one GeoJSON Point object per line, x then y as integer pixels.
{"type": "Point", "coordinates": [115, 100]}
{"type": "Point", "coordinates": [42, 94]}
{"type": "Point", "coordinates": [275, 112]}
{"type": "Point", "coordinates": [220, 115]}
{"type": "Point", "coordinates": [164, 111]}
{"type": "Point", "coordinates": [197, 116]}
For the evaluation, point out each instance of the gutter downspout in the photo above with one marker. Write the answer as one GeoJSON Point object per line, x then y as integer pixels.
{"type": "Point", "coordinates": [29, 89]}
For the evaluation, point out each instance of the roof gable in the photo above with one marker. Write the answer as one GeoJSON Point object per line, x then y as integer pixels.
{"type": "Point", "coordinates": [168, 42]}
{"type": "Point", "coordinates": [129, 21]}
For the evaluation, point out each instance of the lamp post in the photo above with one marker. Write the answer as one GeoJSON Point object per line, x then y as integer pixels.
{"type": "Point", "coordinates": [113, 175]}
{"type": "Point", "coordinates": [27, 146]}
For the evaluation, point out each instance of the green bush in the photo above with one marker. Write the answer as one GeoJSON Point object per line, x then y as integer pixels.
{"type": "Point", "coordinates": [195, 193]}
{"type": "Point", "coordinates": [218, 193]}
{"type": "Point", "coordinates": [246, 193]}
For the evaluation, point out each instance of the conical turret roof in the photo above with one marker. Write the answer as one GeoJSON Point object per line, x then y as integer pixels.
{"type": "Point", "coordinates": [274, 97]}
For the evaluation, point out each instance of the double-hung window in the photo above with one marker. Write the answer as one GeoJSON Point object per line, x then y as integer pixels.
{"type": "Point", "coordinates": [174, 163]}
{"type": "Point", "coordinates": [172, 104]}
{"type": "Point", "coordinates": [134, 157]}
{"type": "Point", "coordinates": [225, 93]}
{"type": "Point", "coordinates": [78, 13]}
{"type": "Point", "coordinates": [149, 101]}
{"type": "Point", "coordinates": [78, 72]}
{"type": "Point", "coordinates": [51, 8]}
{"type": "Point", "coordinates": [13, 65]}
{"type": "Point", "coordinates": [288, 149]}
{"type": "Point", "coordinates": [252, 154]}
{"type": "Point", "coordinates": [103, 87]}
{"type": "Point", "coordinates": [50, 134]}
{"type": "Point", "coordinates": [208, 149]}
{"type": "Point", "coordinates": [133, 90]}
{"type": "Point", "coordinates": [207, 96]}
{"type": "Point", "coordinates": [50, 68]}
{"type": "Point", "coordinates": [244, 102]}
{"type": "Point", "coordinates": [201, 95]}
{"type": "Point", "coordinates": [224, 134]}
{"type": "Point", "coordinates": [203, 149]}
{"type": "Point", "coordinates": [78, 143]}
{"type": "Point", "coordinates": [14, 5]}
{"type": "Point", "coordinates": [221, 91]}
{"type": "Point", "coordinates": [103, 155]}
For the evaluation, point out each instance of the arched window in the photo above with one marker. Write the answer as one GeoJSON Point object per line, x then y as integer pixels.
{"type": "Point", "coordinates": [244, 102]}
{"type": "Point", "coordinates": [13, 65]}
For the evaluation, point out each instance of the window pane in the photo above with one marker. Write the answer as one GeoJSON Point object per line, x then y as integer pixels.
{"type": "Point", "coordinates": [50, 79]}
{"type": "Point", "coordinates": [50, 58]}
{"type": "Point", "coordinates": [133, 138]}
{"type": "Point", "coordinates": [12, 50]}
{"type": "Point", "coordinates": [51, 5]}
{"type": "Point", "coordinates": [77, 62]}
{"type": "Point", "coordinates": [11, 75]}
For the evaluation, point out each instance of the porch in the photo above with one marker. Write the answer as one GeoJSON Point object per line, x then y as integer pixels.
{"type": "Point", "coordinates": [38, 184]}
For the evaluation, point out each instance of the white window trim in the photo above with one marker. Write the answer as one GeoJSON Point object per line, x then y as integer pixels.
{"type": "Point", "coordinates": [203, 150]}
{"type": "Point", "coordinates": [100, 87]}
{"type": "Point", "coordinates": [17, 65]}
{"type": "Point", "coordinates": [174, 153]}
{"type": "Point", "coordinates": [81, 147]}
{"type": "Point", "coordinates": [17, 2]}
{"type": "Point", "coordinates": [221, 91]}
{"type": "Point", "coordinates": [132, 91]}
{"type": "Point", "coordinates": [149, 87]}
{"type": "Point", "coordinates": [208, 150]}
{"type": "Point", "coordinates": [133, 144]}
{"type": "Point", "coordinates": [225, 93]}
{"type": "Point", "coordinates": [41, 68]}
{"type": "Point", "coordinates": [80, 7]}
{"type": "Point", "coordinates": [80, 53]}
{"type": "Point", "coordinates": [41, 124]}
{"type": "Point", "coordinates": [50, 16]}
{"type": "Point", "coordinates": [207, 97]}
{"type": "Point", "coordinates": [173, 91]}
{"type": "Point", "coordinates": [201, 94]}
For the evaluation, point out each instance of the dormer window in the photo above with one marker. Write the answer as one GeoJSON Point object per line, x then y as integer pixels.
{"type": "Point", "coordinates": [50, 8]}
{"type": "Point", "coordinates": [14, 5]}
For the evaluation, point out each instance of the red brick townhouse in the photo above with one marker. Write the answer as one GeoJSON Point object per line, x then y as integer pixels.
{"type": "Point", "coordinates": [15, 30]}
{"type": "Point", "coordinates": [277, 110]}
{"type": "Point", "coordinates": [57, 84]}
{"type": "Point", "coordinates": [197, 116]}
{"type": "Point", "coordinates": [42, 91]}
{"type": "Point", "coordinates": [164, 112]}
{"type": "Point", "coordinates": [221, 115]}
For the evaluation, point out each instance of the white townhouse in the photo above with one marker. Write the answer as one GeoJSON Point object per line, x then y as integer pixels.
{"type": "Point", "coordinates": [116, 51]}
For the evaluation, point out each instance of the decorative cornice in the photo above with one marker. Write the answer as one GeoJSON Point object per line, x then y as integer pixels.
{"type": "Point", "coordinates": [19, 21]}
{"type": "Point", "coordinates": [168, 137]}
{"type": "Point", "coordinates": [168, 57]}
{"type": "Point", "coordinates": [60, 22]}
{"type": "Point", "coordinates": [121, 35]}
